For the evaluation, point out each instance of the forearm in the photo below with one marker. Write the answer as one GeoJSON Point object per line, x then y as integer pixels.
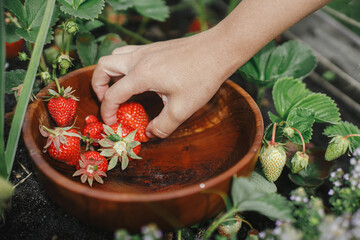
{"type": "Point", "coordinates": [254, 23]}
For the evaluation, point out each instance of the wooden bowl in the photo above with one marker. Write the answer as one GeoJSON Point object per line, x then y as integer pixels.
{"type": "Point", "coordinates": [173, 185]}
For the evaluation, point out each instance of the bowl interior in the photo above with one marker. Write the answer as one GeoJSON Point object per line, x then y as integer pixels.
{"type": "Point", "coordinates": [211, 142]}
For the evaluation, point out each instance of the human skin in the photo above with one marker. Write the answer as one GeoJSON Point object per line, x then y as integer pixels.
{"type": "Point", "coordinates": [187, 72]}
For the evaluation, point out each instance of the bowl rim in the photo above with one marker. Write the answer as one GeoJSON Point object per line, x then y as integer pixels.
{"type": "Point", "coordinates": [79, 188]}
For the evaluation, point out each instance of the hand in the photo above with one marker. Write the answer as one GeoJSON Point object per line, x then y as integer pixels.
{"type": "Point", "coordinates": [185, 73]}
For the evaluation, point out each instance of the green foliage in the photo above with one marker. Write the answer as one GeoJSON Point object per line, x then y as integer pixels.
{"type": "Point", "coordinates": [302, 119]}
{"type": "Point", "coordinates": [89, 51]}
{"type": "Point", "coordinates": [14, 79]}
{"type": "Point", "coordinates": [246, 198]}
{"type": "Point", "coordinates": [11, 35]}
{"type": "Point", "coordinates": [344, 129]}
{"type": "Point", "coordinates": [154, 9]}
{"type": "Point", "coordinates": [85, 9]}
{"type": "Point", "coordinates": [291, 59]}
{"type": "Point", "coordinates": [6, 191]}
{"type": "Point", "coordinates": [300, 108]}
{"type": "Point", "coordinates": [261, 184]}
{"type": "Point", "coordinates": [29, 17]}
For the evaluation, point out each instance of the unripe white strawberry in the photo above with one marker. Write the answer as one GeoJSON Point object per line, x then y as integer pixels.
{"type": "Point", "coordinates": [273, 159]}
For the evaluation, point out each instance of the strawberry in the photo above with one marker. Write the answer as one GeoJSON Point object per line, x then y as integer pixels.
{"type": "Point", "coordinates": [91, 166]}
{"type": "Point", "coordinates": [120, 144]}
{"type": "Point", "coordinates": [62, 106]}
{"type": "Point", "coordinates": [337, 147]}
{"type": "Point", "coordinates": [273, 159]}
{"type": "Point", "coordinates": [91, 119]}
{"type": "Point", "coordinates": [63, 144]}
{"type": "Point", "coordinates": [92, 130]}
{"type": "Point", "coordinates": [231, 228]}
{"type": "Point", "coordinates": [133, 114]}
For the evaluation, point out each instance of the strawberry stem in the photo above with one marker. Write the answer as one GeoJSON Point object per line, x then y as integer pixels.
{"type": "Point", "coordinates": [273, 135]}
{"type": "Point", "coordinates": [352, 135]}
{"type": "Point", "coordinates": [57, 84]}
{"type": "Point", "coordinates": [302, 140]}
{"type": "Point", "coordinates": [49, 130]}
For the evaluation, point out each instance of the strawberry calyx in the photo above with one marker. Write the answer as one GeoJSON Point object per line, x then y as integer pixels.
{"type": "Point", "coordinates": [118, 148]}
{"type": "Point", "coordinates": [65, 93]}
{"type": "Point", "coordinates": [56, 136]}
{"type": "Point", "coordinates": [89, 170]}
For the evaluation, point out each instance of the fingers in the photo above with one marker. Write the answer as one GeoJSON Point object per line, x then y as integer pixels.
{"type": "Point", "coordinates": [107, 68]}
{"type": "Point", "coordinates": [164, 124]}
{"type": "Point", "coordinates": [118, 93]}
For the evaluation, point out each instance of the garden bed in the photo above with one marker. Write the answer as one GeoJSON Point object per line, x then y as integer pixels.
{"type": "Point", "coordinates": [34, 215]}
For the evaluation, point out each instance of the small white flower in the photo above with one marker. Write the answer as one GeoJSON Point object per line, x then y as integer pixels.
{"type": "Point", "coordinates": [262, 234]}
{"type": "Point", "coordinates": [346, 176]}
{"type": "Point", "coordinates": [333, 174]}
{"type": "Point", "coordinates": [353, 161]}
{"type": "Point", "coordinates": [331, 192]}
{"type": "Point", "coordinates": [337, 183]}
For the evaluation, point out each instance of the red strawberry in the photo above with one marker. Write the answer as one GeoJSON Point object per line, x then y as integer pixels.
{"type": "Point", "coordinates": [63, 144]}
{"type": "Point", "coordinates": [120, 145]}
{"type": "Point", "coordinates": [133, 114]}
{"type": "Point", "coordinates": [91, 119]}
{"type": "Point", "coordinates": [62, 106]}
{"type": "Point", "coordinates": [92, 130]}
{"type": "Point", "coordinates": [91, 166]}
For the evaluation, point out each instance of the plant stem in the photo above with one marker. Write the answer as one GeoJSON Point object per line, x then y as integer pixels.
{"type": "Point", "coordinates": [13, 20]}
{"type": "Point", "coordinates": [63, 40]}
{"type": "Point", "coordinates": [179, 234]}
{"type": "Point", "coordinates": [202, 15]}
{"type": "Point", "coordinates": [302, 140]}
{"type": "Point", "coordinates": [352, 135]}
{"type": "Point", "coordinates": [260, 96]}
{"type": "Point", "coordinates": [2, 91]}
{"type": "Point", "coordinates": [125, 31]}
{"type": "Point", "coordinates": [27, 87]}
{"type": "Point", "coordinates": [273, 135]}
{"type": "Point", "coordinates": [67, 51]}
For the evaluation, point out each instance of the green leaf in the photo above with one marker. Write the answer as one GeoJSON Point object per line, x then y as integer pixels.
{"type": "Point", "coordinates": [274, 206]}
{"type": "Point", "coordinates": [262, 184]}
{"type": "Point", "coordinates": [86, 48]}
{"type": "Point", "coordinates": [93, 24]}
{"type": "Point", "coordinates": [324, 107]}
{"type": "Point", "coordinates": [274, 118]}
{"type": "Point", "coordinates": [120, 4]}
{"type": "Point", "coordinates": [109, 43]}
{"type": "Point", "coordinates": [291, 59]}
{"type": "Point", "coordinates": [242, 189]}
{"type": "Point", "coordinates": [254, 69]}
{"type": "Point", "coordinates": [154, 9]}
{"type": "Point", "coordinates": [11, 35]}
{"type": "Point", "coordinates": [113, 162]}
{"type": "Point", "coordinates": [344, 129]}
{"type": "Point", "coordinates": [287, 92]}
{"type": "Point", "coordinates": [31, 14]}
{"type": "Point", "coordinates": [86, 9]}
{"type": "Point", "coordinates": [27, 87]}
{"type": "Point", "coordinates": [124, 162]}
{"type": "Point", "coordinates": [302, 119]}
{"type": "Point", "coordinates": [13, 79]}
